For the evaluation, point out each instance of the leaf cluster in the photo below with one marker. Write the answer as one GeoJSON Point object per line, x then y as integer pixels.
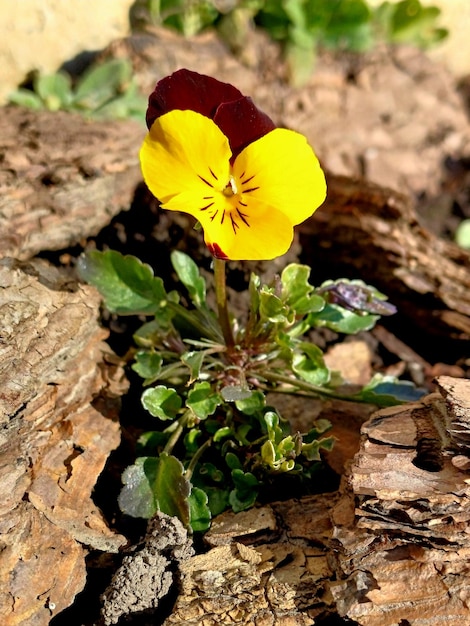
{"type": "Point", "coordinates": [106, 90]}
{"type": "Point", "coordinates": [303, 26]}
{"type": "Point", "coordinates": [217, 442]}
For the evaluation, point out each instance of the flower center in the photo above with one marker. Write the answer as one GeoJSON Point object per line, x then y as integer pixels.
{"type": "Point", "coordinates": [231, 188]}
{"type": "Point", "coordinates": [235, 211]}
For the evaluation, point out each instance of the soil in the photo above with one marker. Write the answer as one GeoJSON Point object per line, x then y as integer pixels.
{"type": "Point", "coordinates": [392, 118]}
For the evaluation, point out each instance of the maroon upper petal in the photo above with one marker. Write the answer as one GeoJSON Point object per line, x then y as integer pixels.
{"type": "Point", "coordinates": [236, 115]}
{"type": "Point", "coordinates": [184, 90]}
{"type": "Point", "coordinates": [242, 123]}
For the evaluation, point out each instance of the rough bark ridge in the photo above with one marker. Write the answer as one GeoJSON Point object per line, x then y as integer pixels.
{"type": "Point", "coordinates": [402, 521]}
{"type": "Point", "coordinates": [58, 419]}
{"type": "Point", "coordinates": [376, 236]}
{"type": "Point", "coordinates": [62, 177]}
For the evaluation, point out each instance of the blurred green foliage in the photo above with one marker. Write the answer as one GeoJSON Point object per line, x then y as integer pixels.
{"type": "Point", "coordinates": [108, 90]}
{"type": "Point", "coordinates": [105, 90]}
{"type": "Point", "coordinates": [302, 26]}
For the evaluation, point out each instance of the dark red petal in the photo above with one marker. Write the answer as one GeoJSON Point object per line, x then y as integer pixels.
{"type": "Point", "coordinates": [216, 251]}
{"type": "Point", "coordinates": [184, 90]}
{"type": "Point", "coordinates": [242, 123]}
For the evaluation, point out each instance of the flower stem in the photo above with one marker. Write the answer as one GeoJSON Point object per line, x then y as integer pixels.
{"type": "Point", "coordinates": [221, 297]}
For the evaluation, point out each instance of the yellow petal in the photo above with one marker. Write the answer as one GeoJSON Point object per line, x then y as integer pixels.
{"type": "Point", "coordinates": [185, 161]}
{"type": "Point", "coordinates": [281, 171]}
{"type": "Point", "coordinates": [260, 233]}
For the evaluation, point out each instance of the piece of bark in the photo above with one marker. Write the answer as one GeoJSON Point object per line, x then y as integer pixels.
{"type": "Point", "coordinates": [59, 404]}
{"type": "Point", "coordinates": [402, 523]}
{"type": "Point", "coordinates": [368, 232]}
{"type": "Point", "coordinates": [268, 566]}
{"type": "Point", "coordinates": [147, 574]}
{"type": "Point", "coordinates": [63, 177]}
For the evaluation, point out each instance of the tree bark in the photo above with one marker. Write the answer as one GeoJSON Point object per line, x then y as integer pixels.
{"type": "Point", "coordinates": [368, 232]}
{"type": "Point", "coordinates": [63, 178]}
{"type": "Point", "coordinates": [59, 401]}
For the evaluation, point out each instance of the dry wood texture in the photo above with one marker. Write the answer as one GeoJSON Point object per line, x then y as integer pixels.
{"type": "Point", "coordinates": [366, 231]}
{"type": "Point", "coordinates": [62, 178]}
{"type": "Point", "coordinates": [402, 522]}
{"type": "Point", "coordinates": [390, 547]}
{"type": "Point", "coordinates": [58, 423]}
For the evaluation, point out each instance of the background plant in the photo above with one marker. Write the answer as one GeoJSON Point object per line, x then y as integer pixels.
{"type": "Point", "coordinates": [217, 442]}
{"type": "Point", "coordinates": [105, 90]}
{"type": "Point", "coordinates": [303, 26]}
{"type": "Point", "coordinates": [108, 89]}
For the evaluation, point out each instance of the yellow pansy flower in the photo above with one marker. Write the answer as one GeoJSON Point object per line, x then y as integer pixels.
{"type": "Point", "coordinates": [224, 162]}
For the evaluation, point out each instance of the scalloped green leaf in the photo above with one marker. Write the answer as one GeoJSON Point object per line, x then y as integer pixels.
{"type": "Point", "coordinates": [148, 365]}
{"type": "Point", "coordinates": [308, 363]}
{"type": "Point", "coordinates": [203, 400]}
{"type": "Point", "coordinates": [200, 513]}
{"type": "Point", "coordinates": [297, 291]}
{"type": "Point", "coordinates": [162, 402]}
{"type": "Point", "coordinates": [244, 495]}
{"type": "Point", "coordinates": [127, 285]}
{"type": "Point", "coordinates": [155, 484]}
{"type": "Point", "coordinates": [55, 90]}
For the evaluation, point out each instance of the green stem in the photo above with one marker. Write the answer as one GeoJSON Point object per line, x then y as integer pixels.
{"type": "Point", "coordinates": [194, 461]}
{"type": "Point", "coordinates": [191, 318]}
{"type": "Point", "coordinates": [309, 389]}
{"type": "Point", "coordinates": [170, 444]}
{"type": "Point", "coordinates": [221, 298]}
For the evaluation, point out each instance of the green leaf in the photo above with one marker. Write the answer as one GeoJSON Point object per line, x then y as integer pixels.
{"type": "Point", "coordinates": [203, 400]}
{"type": "Point", "coordinates": [233, 461]}
{"type": "Point", "coordinates": [389, 391]}
{"type": "Point", "coordinates": [349, 26]}
{"type": "Point", "coordinates": [26, 98]}
{"type": "Point", "coordinates": [151, 442]}
{"type": "Point", "coordinates": [212, 481]}
{"type": "Point", "coordinates": [300, 61]}
{"type": "Point", "coordinates": [297, 291]}
{"type": "Point", "coordinates": [234, 393]}
{"type": "Point", "coordinates": [54, 90]}
{"type": "Point", "coordinates": [341, 320]}
{"type": "Point", "coordinates": [244, 495]}
{"type": "Point", "coordinates": [200, 514]}
{"type": "Point", "coordinates": [188, 273]}
{"type": "Point", "coordinates": [150, 333]}
{"type": "Point", "coordinates": [311, 450]}
{"type": "Point", "coordinates": [222, 433]}
{"type": "Point", "coordinates": [272, 308]}
{"type": "Point", "coordinates": [148, 365]}
{"type": "Point", "coordinates": [308, 363]}
{"type": "Point", "coordinates": [155, 484]}
{"type": "Point", "coordinates": [194, 361]}
{"type": "Point", "coordinates": [252, 404]}
{"type": "Point", "coordinates": [127, 285]}
{"type": "Point", "coordinates": [101, 83]}
{"type": "Point", "coordinates": [412, 23]}
{"type": "Point", "coordinates": [271, 421]}
{"type": "Point", "coordinates": [162, 402]}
